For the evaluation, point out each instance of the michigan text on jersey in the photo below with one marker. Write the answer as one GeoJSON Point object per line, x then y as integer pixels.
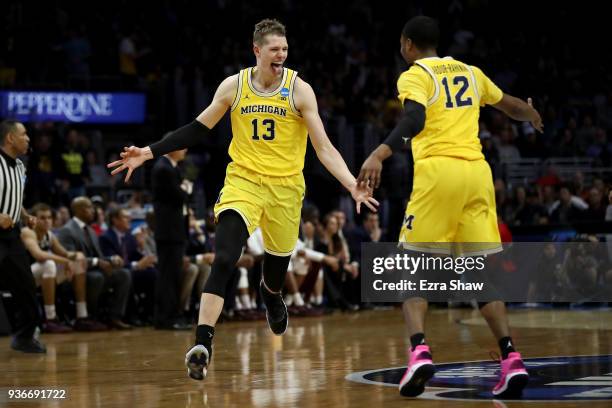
{"type": "Point", "coordinates": [275, 110]}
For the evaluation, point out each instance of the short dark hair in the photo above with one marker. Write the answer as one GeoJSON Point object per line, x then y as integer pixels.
{"type": "Point", "coordinates": [7, 126]}
{"type": "Point", "coordinates": [114, 213]}
{"type": "Point", "coordinates": [38, 208]}
{"type": "Point", "coordinates": [265, 27]}
{"type": "Point", "coordinates": [423, 31]}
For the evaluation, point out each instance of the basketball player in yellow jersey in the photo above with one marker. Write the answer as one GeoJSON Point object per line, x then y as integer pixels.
{"type": "Point", "coordinates": [453, 199]}
{"type": "Point", "coordinates": [272, 112]}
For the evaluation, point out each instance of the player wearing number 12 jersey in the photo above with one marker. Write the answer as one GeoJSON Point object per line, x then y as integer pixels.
{"type": "Point", "coordinates": [453, 200]}
{"type": "Point", "coordinates": [272, 112]}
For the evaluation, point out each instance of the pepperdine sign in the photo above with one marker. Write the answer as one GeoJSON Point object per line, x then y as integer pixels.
{"type": "Point", "coordinates": [79, 107]}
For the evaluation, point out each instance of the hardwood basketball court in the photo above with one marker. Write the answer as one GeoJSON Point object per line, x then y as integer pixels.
{"type": "Point", "coordinates": [307, 367]}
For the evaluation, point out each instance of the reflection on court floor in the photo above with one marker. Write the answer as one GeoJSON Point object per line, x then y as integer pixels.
{"type": "Point", "coordinates": [308, 366]}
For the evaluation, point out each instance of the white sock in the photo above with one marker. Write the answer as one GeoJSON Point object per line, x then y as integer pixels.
{"type": "Point", "coordinates": [50, 312]}
{"type": "Point", "coordinates": [297, 299]}
{"type": "Point", "coordinates": [81, 310]}
{"type": "Point", "coordinates": [318, 299]}
{"type": "Point", "coordinates": [246, 300]}
{"type": "Point", "coordinates": [289, 299]}
{"type": "Point", "coordinates": [238, 305]}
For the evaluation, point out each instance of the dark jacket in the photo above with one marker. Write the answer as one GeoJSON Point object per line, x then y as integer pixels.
{"type": "Point", "coordinates": [72, 237]}
{"type": "Point", "coordinates": [109, 243]}
{"type": "Point", "coordinates": [168, 202]}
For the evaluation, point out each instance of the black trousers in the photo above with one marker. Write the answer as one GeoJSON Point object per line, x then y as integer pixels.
{"type": "Point", "coordinates": [99, 285]}
{"type": "Point", "coordinates": [167, 290]}
{"type": "Point", "coordinates": [16, 277]}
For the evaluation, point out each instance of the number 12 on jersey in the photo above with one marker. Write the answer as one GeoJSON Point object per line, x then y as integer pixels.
{"type": "Point", "coordinates": [269, 131]}
{"type": "Point", "coordinates": [459, 101]}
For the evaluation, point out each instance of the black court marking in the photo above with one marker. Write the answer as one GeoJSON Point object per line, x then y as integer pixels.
{"type": "Point", "coordinates": [552, 379]}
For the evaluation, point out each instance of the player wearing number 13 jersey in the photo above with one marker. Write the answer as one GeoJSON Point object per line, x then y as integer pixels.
{"type": "Point", "coordinates": [264, 182]}
{"type": "Point", "coordinates": [272, 118]}
{"type": "Point", "coordinates": [272, 112]}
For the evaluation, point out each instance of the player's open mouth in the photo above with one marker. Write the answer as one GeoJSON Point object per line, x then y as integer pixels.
{"type": "Point", "coordinates": [277, 67]}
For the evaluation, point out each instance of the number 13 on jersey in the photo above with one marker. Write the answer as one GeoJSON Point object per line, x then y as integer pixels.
{"type": "Point", "coordinates": [268, 125]}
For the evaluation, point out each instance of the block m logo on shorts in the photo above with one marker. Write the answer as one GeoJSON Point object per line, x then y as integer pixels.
{"type": "Point", "coordinates": [408, 221]}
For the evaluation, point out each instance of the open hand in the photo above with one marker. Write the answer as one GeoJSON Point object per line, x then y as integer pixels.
{"type": "Point", "coordinates": [362, 194]}
{"type": "Point", "coordinates": [370, 172]}
{"type": "Point", "coordinates": [131, 158]}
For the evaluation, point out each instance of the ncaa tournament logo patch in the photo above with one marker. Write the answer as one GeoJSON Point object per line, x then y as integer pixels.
{"type": "Point", "coordinates": [284, 92]}
{"type": "Point", "coordinates": [577, 378]}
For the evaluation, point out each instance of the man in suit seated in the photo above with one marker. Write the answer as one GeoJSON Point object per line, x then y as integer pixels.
{"type": "Point", "coordinates": [119, 241]}
{"type": "Point", "coordinates": [77, 235]}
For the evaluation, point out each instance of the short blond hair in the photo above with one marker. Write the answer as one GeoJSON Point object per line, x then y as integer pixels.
{"type": "Point", "coordinates": [266, 27]}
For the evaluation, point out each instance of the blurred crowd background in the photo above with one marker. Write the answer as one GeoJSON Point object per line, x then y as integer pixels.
{"type": "Point", "coordinates": [550, 186]}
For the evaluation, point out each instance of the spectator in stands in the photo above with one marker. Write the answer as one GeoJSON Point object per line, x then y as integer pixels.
{"type": "Point", "coordinates": [599, 184]}
{"type": "Point", "coordinates": [597, 210]}
{"type": "Point", "coordinates": [74, 167]}
{"type": "Point", "coordinates": [568, 208]}
{"type": "Point", "coordinates": [507, 149]}
{"type": "Point", "coordinates": [43, 167]}
{"type": "Point", "coordinates": [600, 149]}
{"type": "Point", "coordinates": [544, 279]}
{"type": "Point", "coordinates": [338, 284]}
{"type": "Point", "coordinates": [99, 178]}
{"type": "Point", "coordinates": [127, 58]}
{"type": "Point", "coordinates": [581, 266]}
{"type": "Point", "coordinates": [77, 50]}
{"type": "Point", "coordinates": [342, 228]}
{"type": "Point", "coordinates": [368, 231]}
{"type": "Point", "coordinates": [119, 241]}
{"type": "Point", "coordinates": [60, 217]}
{"type": "Point", "coordinates": [566, 145]}
{"type": "Point", "coordinates": [550, 177]}
{"type": "Point", "coordinates": [579, 186]}
{"type": "Point", "coordinates": [52, 265]}
{"type": "Point", "coordinates": [586, 133]}
{"type": "Point", "coordinates": [549, 197]}
{"type": "Point", "coordinates": [99, 224]}
{"type": "Point", "coordinates": [489, 150]}
{"type": "Point", "coordinates": [200, 256]}
{"type": "Point", "coordinates": [77, 235]}
{"type": "Point", "coordinates": [504, 204]}
{"type": "Point", "coordinates": [529, 210]}
{"type": "Point", "coordinates": [530, 145]}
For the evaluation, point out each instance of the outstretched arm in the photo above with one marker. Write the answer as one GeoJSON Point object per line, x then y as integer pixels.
{"type": "Point", "coordinates": [519, 110]}
{"type": "Point", "coordinates": [410, 125]}
{"type": "Point", "coordinates": [187, 136]}
{"type": "Point", "coordinates": [306, 103]}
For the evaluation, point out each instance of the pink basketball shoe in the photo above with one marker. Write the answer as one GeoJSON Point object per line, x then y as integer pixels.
{"type": "Point", "coordinates": [513, 379]}
{"type": "Point", "coordinates": [420, 370]}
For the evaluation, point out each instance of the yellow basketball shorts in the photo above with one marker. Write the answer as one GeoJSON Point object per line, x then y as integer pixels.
{"type": "Point", "coordinates": [272, 203]}
{"type": "Point", "coordinates": [452, 205]}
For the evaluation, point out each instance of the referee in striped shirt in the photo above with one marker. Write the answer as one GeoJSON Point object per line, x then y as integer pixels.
{"type": "Point", "coordinates": [15, 273]}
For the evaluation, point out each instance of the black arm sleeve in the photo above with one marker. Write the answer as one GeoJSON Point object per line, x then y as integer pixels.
{"type": "Point", "coordinates": [182, 138]}
{"type": "Point", "coordinates": [411, 123]}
